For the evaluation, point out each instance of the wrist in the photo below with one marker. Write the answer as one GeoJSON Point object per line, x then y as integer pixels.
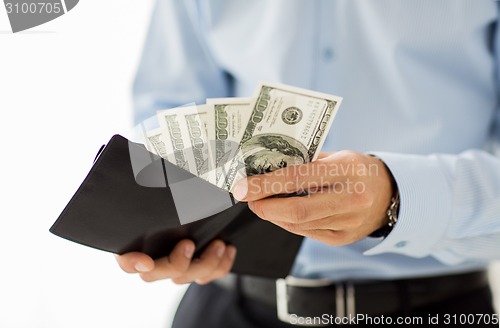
{"type": "Point", "coordinates": [391, 218]}
{"type": "Point", "coordinates": [392, 210]}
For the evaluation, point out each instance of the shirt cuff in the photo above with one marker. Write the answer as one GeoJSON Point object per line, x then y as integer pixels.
{"type": "Point", "coordinates": [425, 205]}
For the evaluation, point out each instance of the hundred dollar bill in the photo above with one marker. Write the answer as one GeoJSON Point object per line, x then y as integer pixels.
{"type": "Point", "coordinates": [184, 128]}
{"type": "Point", "coordinates": [164, 147]}
{"type": "Point", "coordinates": [226, 126]}
{"type": "Point", "coordinates": [155, 143]}
{"type": "Point", "coordinates": [287, 126]}
{"type": "Point", "coordinates": [196, 122]}
{"type": "Point", "coordinates": [175, 142]}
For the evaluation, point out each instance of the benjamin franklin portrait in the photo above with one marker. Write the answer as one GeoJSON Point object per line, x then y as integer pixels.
{"type": "Point", "coordinates": [267, 153]}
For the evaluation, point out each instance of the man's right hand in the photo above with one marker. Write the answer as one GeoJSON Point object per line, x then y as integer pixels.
{"type": "Point", "coordinates": [214, 263]}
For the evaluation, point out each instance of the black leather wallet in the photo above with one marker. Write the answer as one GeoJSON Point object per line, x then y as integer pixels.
{"type": "Point", "coordinates": [132, 200]}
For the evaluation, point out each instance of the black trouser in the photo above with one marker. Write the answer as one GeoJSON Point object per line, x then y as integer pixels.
{"type": "Point", "coordinates": [211, 306]}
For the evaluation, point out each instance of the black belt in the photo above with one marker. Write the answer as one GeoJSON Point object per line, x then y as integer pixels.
{"type": "Point", "coordinates": [316, 297]}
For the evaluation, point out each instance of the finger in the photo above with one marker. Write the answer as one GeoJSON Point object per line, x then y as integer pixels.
{"type": "Point", "coordinates": [204, 266]}
{"type": "Point", "coordinates": [341, 222]}
{"type": "Point", "coordinates": [325, 154]}
{"type": "Point", "coordinates": [223, 269]}
{"type": "Point", "coordinates": [284, 181]}
{"type": "Point", "coordinates": [330, 237]}
{"type": "Point", "coordinates": [298, 210]}
{"type": "Point", "coordinates": [135, 262]}
{"type": "Point", "coordinates": [331, 223]}
{"type": "Point", "coordinates": [173, 265]}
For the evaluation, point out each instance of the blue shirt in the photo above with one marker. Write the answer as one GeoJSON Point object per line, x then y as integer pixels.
{"type": "Point", "coordinates": [420, 91]}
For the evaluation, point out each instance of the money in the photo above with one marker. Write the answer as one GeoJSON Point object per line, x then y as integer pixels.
{"type": "Point", "coordinates": [287, 126]}
{"type": "Point", "coordinates": [229, 119]}
{"type": "Point", "coordinates": [176, 144]}
{"type": "Point", "coordinates": [184, 129]}
{"type": "Point", "coordinates": [231, 138]}
{"type": "Point", "coordinates": [195, 120]}
{"type": "Point", "coordinates": [155, 144]}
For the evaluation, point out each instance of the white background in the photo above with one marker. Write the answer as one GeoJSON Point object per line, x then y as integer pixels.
{"type": "Point", "coordinates": [64, 91]}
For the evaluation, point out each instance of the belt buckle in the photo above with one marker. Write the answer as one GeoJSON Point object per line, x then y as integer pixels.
{"type": "Point", "coordinates": [344, 298]}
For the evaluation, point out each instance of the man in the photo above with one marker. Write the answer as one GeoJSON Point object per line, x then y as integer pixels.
{"type": "Point", "coordinates": [420, 93]}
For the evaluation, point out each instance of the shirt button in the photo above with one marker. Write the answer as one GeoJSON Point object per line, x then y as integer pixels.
{"type": "Point", "coordinates": [401, 244]}
{"type": "Point", "coordinates": [328, 54]}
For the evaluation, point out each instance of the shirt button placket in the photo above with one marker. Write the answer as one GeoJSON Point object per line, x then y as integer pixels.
{"type": "Point", "coordinates": [325, 58]}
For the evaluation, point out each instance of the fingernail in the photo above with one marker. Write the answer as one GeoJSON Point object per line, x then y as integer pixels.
{"type": "Point", "coordinates": [219, 251]}
{"type": "Point", "coordinates": [240, 190]}
{"type": "Point", "coordinates": [141, 267]}
{"type": "Point", "coordinates": [188, 251]}
{"type": "Point", "coordinates": [231, 252]}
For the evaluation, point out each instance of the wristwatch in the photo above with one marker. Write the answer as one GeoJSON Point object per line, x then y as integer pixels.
{"type": "Point", "coordinates": [392, 212]}
{"type": "Point", "coordinates": [392, 216]}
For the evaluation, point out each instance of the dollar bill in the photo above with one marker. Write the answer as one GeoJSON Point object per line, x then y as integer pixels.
{"type": "Point", "coordinates": [173, 137]}
{"type": "Point", "coordinates": [287, 126]}
{"type": "Point", "coordinates": [196, 123]}
{"type": "Point", "coordinates": [155, 143]}
{"type": "Point", "coordinates": [185, 130]}
{"type": "Point", "coordinates": [226, 126]}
